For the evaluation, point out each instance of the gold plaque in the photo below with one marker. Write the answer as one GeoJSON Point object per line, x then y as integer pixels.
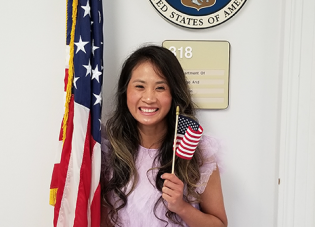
{"type": "Point", "coordinates": [206, 66]}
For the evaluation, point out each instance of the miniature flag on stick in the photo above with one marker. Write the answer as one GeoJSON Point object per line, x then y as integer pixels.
{"type": "Point", "coordinates": [188, 136]}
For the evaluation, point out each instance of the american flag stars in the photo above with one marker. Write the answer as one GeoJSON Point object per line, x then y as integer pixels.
{"type": "Point", "coordinates": [184, 122]}
{"type": "Point", "coordinates": [88, 69]}
{"type": "Point", "coordinates": [80, 45]}
{"type": "Point", "coordinates": [88, 65]}
{"type": "Point", "coordinates": [87, 9]}
{"type": "Point", "coordinates": [96, 74]}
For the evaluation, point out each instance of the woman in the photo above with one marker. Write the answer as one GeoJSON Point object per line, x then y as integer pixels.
{"type": "Point", "coordinates": [137, 187]}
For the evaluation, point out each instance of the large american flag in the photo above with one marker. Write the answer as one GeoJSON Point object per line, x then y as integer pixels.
{"type": "Point", "coordinates": [75, 188]}
{"type": "Point", "coordinates": [188, 136]}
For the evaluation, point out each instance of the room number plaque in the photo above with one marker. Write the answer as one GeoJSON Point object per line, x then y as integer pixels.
{"type": "Point", "coordinates": [206, 66]}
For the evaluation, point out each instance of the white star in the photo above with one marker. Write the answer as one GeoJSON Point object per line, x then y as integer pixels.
{"type": "Point", "coordinates": [94, 48]}
{"type": "Point", "coordinates": [98, 99]}
{"type": "Point", "coordinates": [75, 82]}
{"type": "Point", "coordinates": [80, 45]}
{"type": "Point", "coordinates": [87, 9]}
{"type": "Point", "coordinates": [96, 74]}
{"type": "Point", "coordinates": [88, 69]}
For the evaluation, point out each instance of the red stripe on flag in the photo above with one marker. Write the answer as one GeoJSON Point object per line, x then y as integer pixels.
{"type": "Point", "coordinates": [96, 208]}
{"type": "Point", "coordinates": [88, 202]}
{"type": "Point", "coordinates": [64, 162]}
{"type": "Point", "coordinates": [188, 143]}
{"type": "Point", "coordinates": [84, 196]}
{"type": "Point", "coordinates": [81, 218]}
{"type": "Point", "coordinates": [94, 211]}
{"type": "Point", "coordinates": [66, 79]}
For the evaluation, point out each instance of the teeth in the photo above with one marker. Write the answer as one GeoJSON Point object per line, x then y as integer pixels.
{"type": "Point", "coordinates": [148, 110]}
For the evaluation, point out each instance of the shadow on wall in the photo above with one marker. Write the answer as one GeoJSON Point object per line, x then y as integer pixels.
{"type": "Point", "coordinates": [110, 72]}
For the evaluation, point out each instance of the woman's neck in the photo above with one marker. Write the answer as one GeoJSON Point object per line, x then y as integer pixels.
{"type": "Point", "coordinates": [151, 137]}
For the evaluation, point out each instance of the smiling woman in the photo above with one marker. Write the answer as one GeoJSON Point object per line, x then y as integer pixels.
{"type": "Point", "coordinates": [137, 187]}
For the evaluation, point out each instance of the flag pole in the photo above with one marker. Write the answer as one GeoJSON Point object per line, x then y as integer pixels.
{"type": "Point", "coordinates": [175, 135]}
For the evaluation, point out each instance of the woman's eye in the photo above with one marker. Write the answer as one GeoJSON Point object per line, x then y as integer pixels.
{"type": "Point", "coordinates": [160, 88]}
{"type": "Point", "coordinates": [139, 86]}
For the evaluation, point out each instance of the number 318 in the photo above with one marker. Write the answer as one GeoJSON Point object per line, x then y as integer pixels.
{"type": "Point", "coordinates": [187, 53]}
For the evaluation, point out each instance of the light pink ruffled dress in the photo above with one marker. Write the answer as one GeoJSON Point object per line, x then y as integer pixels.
{"type": "Point", "coordinates": [139, 209]}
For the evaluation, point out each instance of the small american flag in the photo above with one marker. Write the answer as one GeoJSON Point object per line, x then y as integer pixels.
{"type": "Point", "coordinates": [188, 136]}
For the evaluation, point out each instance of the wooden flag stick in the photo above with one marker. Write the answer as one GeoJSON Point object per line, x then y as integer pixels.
{"type": "Point", "coordinates": [175, 135]}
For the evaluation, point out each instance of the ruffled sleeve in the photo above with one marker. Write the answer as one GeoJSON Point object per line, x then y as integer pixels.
{"type": "Point", "coordinates": [210, 150]}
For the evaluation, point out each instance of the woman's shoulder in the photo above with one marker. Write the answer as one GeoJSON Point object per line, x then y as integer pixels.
{"type": "Point", "coordinates": [210, 149]}
{"type": "Point", "coordinates": [209, 146]}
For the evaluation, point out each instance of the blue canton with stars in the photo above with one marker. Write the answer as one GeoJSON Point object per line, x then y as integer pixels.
{"type": "Point", "coordinates": [88, 60]}
{"type": "Point", "coordinates": [184, 122]}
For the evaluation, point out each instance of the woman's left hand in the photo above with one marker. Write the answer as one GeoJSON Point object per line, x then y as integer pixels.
{"type": "Point", "coordinates": [172, 192]}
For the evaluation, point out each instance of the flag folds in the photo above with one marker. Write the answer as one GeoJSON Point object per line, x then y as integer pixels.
{"type": "Point", "coordinates": [188, 136]}
{"type": "Point", "coordinates": [75, 188]}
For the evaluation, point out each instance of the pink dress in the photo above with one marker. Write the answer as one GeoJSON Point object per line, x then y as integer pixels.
{"type": "Point", "coordinates": [139, 209]}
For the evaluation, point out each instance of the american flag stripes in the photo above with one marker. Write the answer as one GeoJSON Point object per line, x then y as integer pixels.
{"type": "Point", "coordinates": [188, 136]}
{"type": "Point", "coordinates": [76, 174]}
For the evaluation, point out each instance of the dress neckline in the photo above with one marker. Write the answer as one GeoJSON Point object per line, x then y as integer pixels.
{"type": "Point", "coordinates": [148, 149]}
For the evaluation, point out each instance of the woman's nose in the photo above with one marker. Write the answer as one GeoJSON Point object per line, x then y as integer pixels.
{"type": "Point", "coordinates": [148, 96]}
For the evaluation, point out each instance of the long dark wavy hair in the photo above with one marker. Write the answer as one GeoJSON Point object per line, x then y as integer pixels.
{"type": "Point", "coordinates": [124, 136]}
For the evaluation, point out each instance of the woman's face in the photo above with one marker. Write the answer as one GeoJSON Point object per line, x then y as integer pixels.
{"type": "Point", "coordinates": [148, 96]}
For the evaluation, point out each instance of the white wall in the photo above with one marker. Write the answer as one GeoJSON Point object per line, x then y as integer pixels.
{"type": "Point", "coordinates": [32, 70]}
{"type": "Point", "coordinates": [296, 206]}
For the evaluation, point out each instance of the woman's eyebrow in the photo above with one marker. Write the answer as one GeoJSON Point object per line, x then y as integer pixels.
{"type": "Point", "coordinates": [138, 81]}
{"type": "Point", "coordinates": [161, 82]}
